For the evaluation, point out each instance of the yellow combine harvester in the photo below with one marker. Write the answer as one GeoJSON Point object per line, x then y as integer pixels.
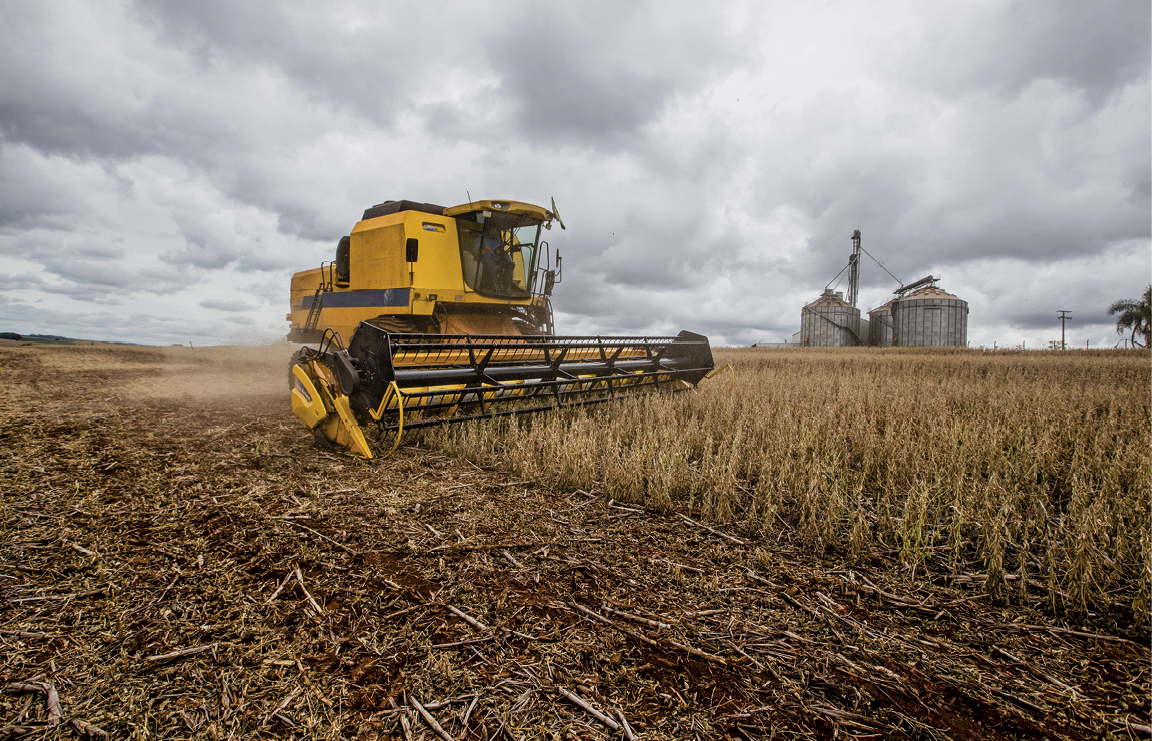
{"type": "Point", "coordinates": [449, 319]}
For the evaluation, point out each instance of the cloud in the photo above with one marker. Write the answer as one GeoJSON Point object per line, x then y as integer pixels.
{"type": "Point", "coordinates": [571, 77]}
{"type": "Point", "coordinates": [183, 159]}
{"type": "Point", "coordinates": [1006, 47]}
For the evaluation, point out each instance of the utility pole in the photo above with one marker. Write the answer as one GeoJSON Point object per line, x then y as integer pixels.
{"type": "Point", "coordinates": [1064, 314]}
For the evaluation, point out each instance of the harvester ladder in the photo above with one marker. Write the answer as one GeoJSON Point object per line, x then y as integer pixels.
{"type": "Point", "coordinates": [318, 299]}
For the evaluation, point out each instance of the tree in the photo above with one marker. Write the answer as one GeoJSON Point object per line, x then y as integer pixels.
{"type": "Point", "coordinates": [1136, 316]}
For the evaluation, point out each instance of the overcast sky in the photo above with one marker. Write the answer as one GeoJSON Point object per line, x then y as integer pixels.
{"type": "Point", "coordinates": [165, 166]}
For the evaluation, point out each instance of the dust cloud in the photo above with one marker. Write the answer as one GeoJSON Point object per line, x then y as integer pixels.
{"type": "Point", "coordinates": [223, 375]}
{"type": "Point", "coordinates": [100, 378]}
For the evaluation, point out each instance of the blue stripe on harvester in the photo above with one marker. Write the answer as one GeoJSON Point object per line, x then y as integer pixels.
{"type": "Point", "coordinates": [357, 299]}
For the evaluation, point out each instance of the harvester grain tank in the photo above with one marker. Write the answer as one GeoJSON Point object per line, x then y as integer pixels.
{"type": "Point", "coordinates": [448, 319]}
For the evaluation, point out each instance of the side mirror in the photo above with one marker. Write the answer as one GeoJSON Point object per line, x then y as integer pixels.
{"type": "Point", "coordinates": [411, 249]}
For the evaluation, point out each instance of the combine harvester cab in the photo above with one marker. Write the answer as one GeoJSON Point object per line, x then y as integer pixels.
{"type": "Point", "coordinates": [449, 320]}
{"type": "Point", "coordinates": [478, 268]}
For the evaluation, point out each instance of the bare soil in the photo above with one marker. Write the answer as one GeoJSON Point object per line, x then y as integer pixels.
{"type": "Point", "coordinates": [177, 560]}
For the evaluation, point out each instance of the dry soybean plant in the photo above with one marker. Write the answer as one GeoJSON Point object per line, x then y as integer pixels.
{"type": "Point", "coordinates": [1030, 471]}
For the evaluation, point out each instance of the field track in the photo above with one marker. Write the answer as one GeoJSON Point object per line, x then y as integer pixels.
{"type": "Point", "coordinates": [178, 561]}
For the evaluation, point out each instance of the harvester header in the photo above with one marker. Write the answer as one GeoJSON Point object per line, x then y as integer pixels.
{"type": "Point", "coordinates": [398, 382]}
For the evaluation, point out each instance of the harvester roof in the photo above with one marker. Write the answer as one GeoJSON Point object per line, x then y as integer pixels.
{"type": "Point", "coordinates": [517, 208]}
{"type": "Point", "coordinates": [509, 207]}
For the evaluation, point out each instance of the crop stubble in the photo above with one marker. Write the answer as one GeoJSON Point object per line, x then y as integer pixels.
{"type": "Point", "coordinates": [1032, 469]}
{"type": "Point", "coordinates": [178, 561]}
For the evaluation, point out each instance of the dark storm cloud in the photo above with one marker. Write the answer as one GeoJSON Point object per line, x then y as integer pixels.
{"type": "Point", "coordinates": [87, 274]}
{"type": "Point", "coordinates": [366, 65]}
{"type": "Point", "coordinates": [868, 191]}
{"type": "Point", "coordinates": [51, 123]}
{"type": "Point", "coordinates": [29, 199]}
{"type": "Point", "coordinates": [596, 73]}
{"type": "Point", "coordinates": [106, 282]}
{"type": "Point", "coordinates": [264, 259]}
{"type": "Point", "coordinates": [659, 254]}
{"type": "Point", "coordinates": [131, 98]}
{"type": "Point", "coordinates": [203, 247]}
{"type": "Point", "coordinates": [1094, 47]}
{"type": "Point", "coordinates": [165, 279]}
{"type": "Point", "coordinates": [559, 76]}
{"type": "Point", "coordinates": [60, 99]}
{"type": "Point", "coordinates": [15, 281]}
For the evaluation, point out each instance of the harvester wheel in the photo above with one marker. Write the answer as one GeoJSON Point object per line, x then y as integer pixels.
{"type": "Point", "coordinates": [292, 364]}
{"type": "Point", "coordinates": [320, 442]}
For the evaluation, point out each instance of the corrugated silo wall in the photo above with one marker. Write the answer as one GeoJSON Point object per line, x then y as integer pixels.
{"type": "Point", "coordinates": [829, 326]}
{"type": "Point", "coordinates": [880, 328]}
{"type": "Point", "coordinates": [931, 322]}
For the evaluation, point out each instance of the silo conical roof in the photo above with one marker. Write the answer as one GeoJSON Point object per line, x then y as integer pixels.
{"type": "Point", "coordinates": [830, 299]}
{"type": "Point", "coordinates": [928, 292]}
{"type": "Point", "coordinates": [883, 307]}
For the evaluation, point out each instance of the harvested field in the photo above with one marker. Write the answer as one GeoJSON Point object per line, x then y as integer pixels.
{"type": "Point", "coordinates": [177, 560]}
{"type": "Point", "coordinates": [1032, 469]}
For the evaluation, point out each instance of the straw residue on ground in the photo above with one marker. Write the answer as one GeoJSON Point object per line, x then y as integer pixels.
{"type": "Point", "coordinates": [190, 566]}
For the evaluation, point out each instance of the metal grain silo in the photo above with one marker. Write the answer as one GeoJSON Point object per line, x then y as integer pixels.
{"type": "Point", "coordinates": [930, 317]}
{"type": "Point", "coordinates": [880, 327]}
{"type": "Point", "coordinates": [830, 321]}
